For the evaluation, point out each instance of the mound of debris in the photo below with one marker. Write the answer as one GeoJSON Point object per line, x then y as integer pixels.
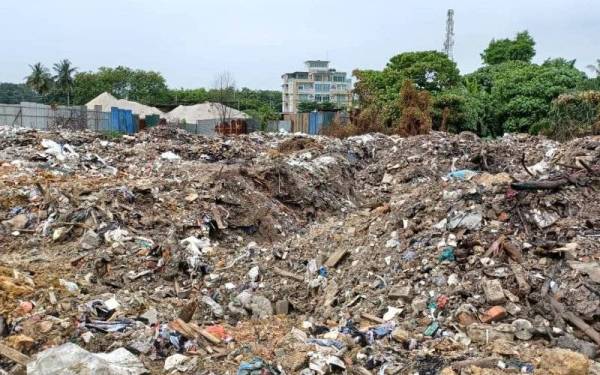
{"type": "Point", "coordinates": [166, 252]}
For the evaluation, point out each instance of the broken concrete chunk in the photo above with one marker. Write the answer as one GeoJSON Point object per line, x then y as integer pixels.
{"type": "Point", "coordinates": [176, 362]}
{"type": "Point", "coordinates": [387, 178]}
{"type": "Point", "coordinates": [151, 315]}
{"type": "Point", "coordinates": [493, 292]}
{"type": "Point", "coordinates": [18, 222]}
{"type": "Point", "coordinates": [90, 240]}
{"type": "Point", "coordinates": [586, 348]}
{"type": "Point", "coordinates": [260, 306]}
{"type": "Point", "coordinates": [418, 304]}
{"type": "Point", "coordinates": [465, 220]}
{"type": "Point", "coordinates": [282, 307]}
{"type": "Point", "coordinates": [485, 333]}
{"type": "Point", "coordinates": [216, 309]}
{"type": "Point", "coordinates": [592, 269]}
{"type": "Point", "coordinates": [59, 233]}
{"type": "Point", "coordinates": [544, 219]}
{"type": "Point", "coordinates": [254, 273]}
{"type": "Point", "coordinates": [401, 335]}
{"type": "Point", "coordinates": [401, 292]}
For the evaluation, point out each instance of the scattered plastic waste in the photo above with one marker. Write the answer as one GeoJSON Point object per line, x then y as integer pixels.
{"type": "Point", "coordinates": [463, 174]}
{"type": "Point", "coordinates": [169, 155]}
{"type": "Point", "coordinates": [256, 366]}
{"type": "Point", "coordinates": [447, 254]}
{"type": "Point", "coordinates": [432, 329]}
{"type": "Point", "coordinates": [72, 359]}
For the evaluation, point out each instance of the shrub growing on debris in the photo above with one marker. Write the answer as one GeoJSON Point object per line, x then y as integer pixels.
{"type": "Point", "coordinates": [415, 106]}
{"type": "Point", "coordinates": [574, 115]}
{"type": "Point", "coordinates": [379, 91]}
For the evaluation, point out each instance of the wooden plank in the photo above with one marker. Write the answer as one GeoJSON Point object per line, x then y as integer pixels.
{"type": "Point", "coordinates": [14, 355]}
{"type": "Point", "coordinates": [210, 337]}
{"type": "Point", "coordinates": [575, 320]}
{"type": "Point", "coordinates": [372, 318]}
{"type": "Point", "coordinates": [183, 328]}
{"type": "Point", "coordinates": [519, 272]}
{"type": "Point", "coordinates": [284, 273]}
{"type": "Point", "coordinates": [336, 257]}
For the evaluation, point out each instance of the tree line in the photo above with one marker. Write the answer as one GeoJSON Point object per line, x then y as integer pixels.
{"type": "Point", "coordinates": [65, 84]}
{"type": "Point", "coordinates": [415, 92]}
{"type": "Point", "coordinates": [421, 90]}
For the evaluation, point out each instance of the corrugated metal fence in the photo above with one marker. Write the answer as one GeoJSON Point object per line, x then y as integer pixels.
{"type": "Point", "coordinates": [312, 122]}
{"type": "Point", "coordinates": [45, 117]}
{"type": "Point", "coordinates": [209, 127]}
{"type": "Point", "coordinates": [122, 120]}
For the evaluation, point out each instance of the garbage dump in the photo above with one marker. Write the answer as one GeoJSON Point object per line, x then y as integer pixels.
{"type": "Point", "coordinates": [166, 252]}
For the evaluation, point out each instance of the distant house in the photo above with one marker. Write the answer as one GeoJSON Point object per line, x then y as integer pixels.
{"type": "Point", "coordinates": [105, 101]}
{"type": "Point", "coordinates": [204, 112]}
{"type": "Point", "coordinates": [319, 83]}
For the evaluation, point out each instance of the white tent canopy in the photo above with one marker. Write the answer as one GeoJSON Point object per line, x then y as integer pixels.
{"type": "Point", "coordinates": [106, 101]}
{"type": "Point", "coordinates": [191, 114]}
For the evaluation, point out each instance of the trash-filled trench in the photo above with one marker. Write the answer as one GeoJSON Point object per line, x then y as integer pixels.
{"type": "Point", "coordinates": [171, 253]}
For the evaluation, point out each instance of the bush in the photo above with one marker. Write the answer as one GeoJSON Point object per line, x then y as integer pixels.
{"type": "Point", "coordinates": [339, 129]}
{"type": "Point", "coordinates": [574, 115]}
{"type": "Point", "coordinates": [416, 111]}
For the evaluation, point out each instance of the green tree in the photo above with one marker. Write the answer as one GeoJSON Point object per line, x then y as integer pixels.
{"type": "Point", "coordinates": [429, 70]}
{"type": "Point", "coordinates": [188, 96]}
{"type": "Point", "coordinates": [315, 106]}
{"type": "Point", "coordinates": [146, 87]}
{"type": "Point", "coordinates": [379, 91]}
{"type": "Point", "coordinates": [516, 96]}
{"type": "Point", "coordinates": [263, 115]}
{"type": "Point", "coordinates": [503, 50]}
{"type": "Point", "coordinates": [14, 93]}
{"type": "Point", "coordinates": [449, 110]}
{"type": "Point", "coordinates": [574, 115]}
{"type": "Point", "coordinates": [39, 80]}
{"type": "Point", "coordinates": [307, 106]}
{"type": "Point", "coordinates": [63, 78]}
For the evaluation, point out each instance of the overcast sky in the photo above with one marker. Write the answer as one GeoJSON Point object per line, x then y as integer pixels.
{"type": "Point", "coordinates": [190, 41]}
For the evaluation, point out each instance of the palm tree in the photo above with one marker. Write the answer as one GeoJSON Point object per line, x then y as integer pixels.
{"type": "Point", "coordinates": [64, 77]}
{"type": "Point", "coordinates": [39, 80]}
{"type": "Point", "coordinates": [595, 68]}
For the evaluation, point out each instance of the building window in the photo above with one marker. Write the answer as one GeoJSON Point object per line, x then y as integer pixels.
{"type": "Point", "coordinates": [303, 97]}
{"type": "Point", "coordinates": [322, 87]}
{"type": "Point", "coordinates": [339, 78]}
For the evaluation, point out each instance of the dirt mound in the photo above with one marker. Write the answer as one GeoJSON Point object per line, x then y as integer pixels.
{"type": "Point", "coordinates": [378, 254]}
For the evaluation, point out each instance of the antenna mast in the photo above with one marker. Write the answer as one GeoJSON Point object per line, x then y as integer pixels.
{"type": "Point", "coordinates": [449, 42]}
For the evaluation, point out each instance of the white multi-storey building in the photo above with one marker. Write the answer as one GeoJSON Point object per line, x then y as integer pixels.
{"type": "Point", "coordinates": [319, 84]}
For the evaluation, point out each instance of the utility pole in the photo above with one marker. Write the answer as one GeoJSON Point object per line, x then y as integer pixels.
{"type": "Point", "coordinates": [449, 41]}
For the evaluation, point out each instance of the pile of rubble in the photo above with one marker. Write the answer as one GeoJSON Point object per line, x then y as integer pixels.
{"type": "Point", "coordinates": [166, 252]}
